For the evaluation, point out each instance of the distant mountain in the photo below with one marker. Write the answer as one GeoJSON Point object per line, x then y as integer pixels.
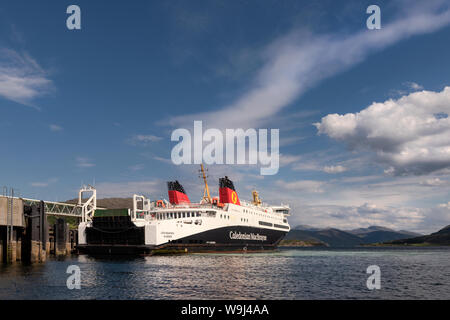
{"type": "Point", "coordinates": [306, 228]}
{"type": "Point", "coordinates": [440, 238]}
{"type": "Point", "coordinates": [383, 236]}
{"type": "Point", "coordinates": [331, 237]}
{"type": "Point", "coordinates": [412, 234]}
{"type": "Point", "coordinates": [362, 231]}
{"type": "Point", "coordinates": [347, 238]}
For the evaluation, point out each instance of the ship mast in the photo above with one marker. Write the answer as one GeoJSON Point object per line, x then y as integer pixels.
{"type": "Point", "coordinates": [206, 195]}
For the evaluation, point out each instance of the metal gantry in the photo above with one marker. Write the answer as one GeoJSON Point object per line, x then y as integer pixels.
{"type": "Point", "coordinates": [57, 208]}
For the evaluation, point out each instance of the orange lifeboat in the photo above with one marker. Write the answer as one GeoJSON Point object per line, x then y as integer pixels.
{"type": "Point", "coordinates": [160, 204]}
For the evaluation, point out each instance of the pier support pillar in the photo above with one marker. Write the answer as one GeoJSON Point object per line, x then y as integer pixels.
{"type": "Point", "coordinates": [35, 240]}
{"type": "Point", "coordinates": [12, 249]}
{"type": "Point", "coordinates": [62, 241]}
{"type": "Point", "coordinates": [2, 244]}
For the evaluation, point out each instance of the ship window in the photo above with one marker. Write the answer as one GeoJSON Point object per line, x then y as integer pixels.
{"type": "Point", "coordinates": [220, 216]}
{"type": "Point", "coordinates": [281, 226]}
{"type": "Point", "coordinates": [188, 214]}
{"type": "Point", "coordinates": [184, 214]}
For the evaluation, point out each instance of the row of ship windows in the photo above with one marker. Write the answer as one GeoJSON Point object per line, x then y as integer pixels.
{"type": "Point", "coordinates": [176, 215]}
{"type": "Point", "coordinates": [259, 214]}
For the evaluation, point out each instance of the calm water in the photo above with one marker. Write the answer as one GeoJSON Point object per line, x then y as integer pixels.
{"type": "Point", "coordinates": [422, 273]}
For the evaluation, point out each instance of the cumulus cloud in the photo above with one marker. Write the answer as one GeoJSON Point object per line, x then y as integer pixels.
{"type": "Point", "coordinates": [445, 205]}
{"type": "Point", "coordinates": [433, 182]}
{"type": "Point", "coordinates": [423, 220]}
{"type": "Point", "coordinates": [21, 78]}
{"type": "Point", "coordinates": [411, 135]}
{"type": "Point", "coordinates": [298, 61]}
{"type": "Point", "coordinates": [413, 86]}
{"type": "Point", "coordinates": [334, 169]}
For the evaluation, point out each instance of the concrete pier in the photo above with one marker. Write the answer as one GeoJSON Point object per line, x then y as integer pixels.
{"type": "Point", "coordinates": [62, 239]}
{"type": "Point", "coordinates": [25, 234]}
{"type": "Point", "coordinates": [36, 234]}
{"type": "Point", "coordinates": [12, 223]}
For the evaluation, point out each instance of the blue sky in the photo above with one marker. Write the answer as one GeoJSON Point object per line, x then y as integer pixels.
{"type": "Point", "coordinates": [99, 104]}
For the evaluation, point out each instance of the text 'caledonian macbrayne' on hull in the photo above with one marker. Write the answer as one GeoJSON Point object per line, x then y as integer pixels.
{"type": "Point", "coordinates": [214, 224]}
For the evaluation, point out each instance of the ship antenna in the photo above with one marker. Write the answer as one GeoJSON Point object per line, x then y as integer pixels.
{"type": "Point", "coordinates": [206, 195]}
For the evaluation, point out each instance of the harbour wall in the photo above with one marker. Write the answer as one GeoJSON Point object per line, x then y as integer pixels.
{"type": "Point", "coordinates": [27, 237]}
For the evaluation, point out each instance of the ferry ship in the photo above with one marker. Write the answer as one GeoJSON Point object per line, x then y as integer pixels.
{"type": "Point", "coordinates": [223, 223]}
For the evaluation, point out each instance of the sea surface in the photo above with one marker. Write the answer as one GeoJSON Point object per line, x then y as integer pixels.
{"type": "Point", "coordinates": [297, 273]}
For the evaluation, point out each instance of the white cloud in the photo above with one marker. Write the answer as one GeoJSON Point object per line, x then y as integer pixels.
{"type": "Point", "coordinates": [44, 184]}
{"type": "Point", "coordinates": [413, 86]}
{"type": "Point", "coordinates": [411, 134]}
{"type": "Point", "coordinates": [308, 186]}
{"type": "Point", "coordinates": [142, 139]}
{"type": "Point", "coordinates": [55, 127]}
{"type": "Point", "coordinates": [83, 162]}
{"type": "Point", "coordinates": [445, 205]}
{"type": "Point", "coordinates": [165, 160]}
{"type": "Point", "coordinates": [298, 61]}
{"type": "Point", "coordinates": [21, 77]}
{"type": "Point", "coordinates": [433, 182]}
{"type": "Point", "coordinates": [368, 214]}
{"type": "Point", "coordinates": [334, 169]}
{"type": "Point", "coordinates": [287, 159]}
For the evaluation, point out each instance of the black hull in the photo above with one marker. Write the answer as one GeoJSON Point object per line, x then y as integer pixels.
{"type": "Point", "coordinates": [226, 239]}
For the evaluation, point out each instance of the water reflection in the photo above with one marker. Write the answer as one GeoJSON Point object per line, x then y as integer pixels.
{"type": "Point", "coordinates": [287, 274]}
